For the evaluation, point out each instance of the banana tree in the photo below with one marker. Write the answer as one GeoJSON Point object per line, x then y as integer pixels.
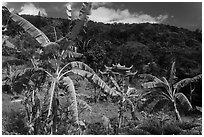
{"type": "Point", "coordinates": [170, 89]}
{"type": "Point", "coordinates": [118, 76]}
{"type": "Point", "coordinates": [51, 61]}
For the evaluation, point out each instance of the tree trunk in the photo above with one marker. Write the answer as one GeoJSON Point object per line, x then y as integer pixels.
{"type": "Point", "coordinates": [178, 117]}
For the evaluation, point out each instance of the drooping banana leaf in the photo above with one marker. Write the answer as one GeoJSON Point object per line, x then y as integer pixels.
{"type": "Point", "coordinates": [31, 29]}
{"type": "Point", "coordinates": [72, 100]}
{"type": "Point", "coordinates": [92, 77]}
{"type": "Point", "coordinates": [186, 81]}
{"type": "Point", "coordinates": [184, 100]}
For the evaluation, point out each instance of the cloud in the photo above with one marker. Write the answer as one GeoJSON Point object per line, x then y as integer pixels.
{"type": "Point", "coordinates": [76, 6]}
{"type": "Point", "coordinates": [31, 9]}
{"type": "Point", "coordinates": [4, 4]}
{"type": "Point", "coordinates": [109, 15]}
{"type": "Point", "coordinates": [11, 9]}
{"type": "Point", "coordinates": [69, 3]}
{"type": "Point", "coordinates": [99, 4]}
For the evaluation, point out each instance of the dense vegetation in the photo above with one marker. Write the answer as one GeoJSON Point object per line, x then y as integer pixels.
{"type": "Point", "coordinates": [43, 72]}
{"type": "Point", "coordinates": [126, 43]}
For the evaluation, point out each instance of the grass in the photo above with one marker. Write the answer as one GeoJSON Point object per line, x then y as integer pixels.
{"type": "Point", "coordinates": [13, 119]}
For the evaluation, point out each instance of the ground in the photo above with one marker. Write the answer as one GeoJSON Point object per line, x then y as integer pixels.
{"type": "Point", "coordinates": [99, 109]}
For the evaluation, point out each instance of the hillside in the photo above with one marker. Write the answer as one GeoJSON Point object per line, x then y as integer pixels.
{"type": "Point", "coordinates": [136, 44]}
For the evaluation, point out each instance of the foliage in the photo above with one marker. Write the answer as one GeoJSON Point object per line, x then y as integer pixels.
{"type": "Point", "coordinates": [118, 76]}
{"type": "Point", "coordinates": [135, 53]}
{"type": "Point", "coordinates": [49, 54]}
{"type": "Point", "coordinates": [34, 32]}
{"type": "Point", "coordinates": [112, 38]}
{"type": "Point", "coordinates": [170, 89]}
{"type": "Point", "coordinates": [14, 123]}
{"type": "Point", "coordinates": [49, 61]}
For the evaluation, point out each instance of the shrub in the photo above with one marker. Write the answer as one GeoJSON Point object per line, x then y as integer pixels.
{"type": "Point", "coordinates": [96, 129]}
{"type": "Point", "coordinates": [171, 129]}
{"type": "Point", "coordinates": [14, 123]}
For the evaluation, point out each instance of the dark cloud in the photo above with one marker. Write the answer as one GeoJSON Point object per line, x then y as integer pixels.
{"type": "Point", "coordinates": [182, 14]}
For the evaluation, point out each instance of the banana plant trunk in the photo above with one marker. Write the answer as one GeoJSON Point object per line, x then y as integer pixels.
{"type": "Point", "coordinates": [120, 114]}
{"type": "Point", "coordinates": [178, 117]}
{"type": "Point", "coordinates": [120, 120]}
{"type": "Point", "coordinates": [133, 115]}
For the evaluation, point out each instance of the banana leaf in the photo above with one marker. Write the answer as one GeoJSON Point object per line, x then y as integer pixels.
{"type": "Point", "coordinates": [72, 100]}
{"type": "Point", "coordinates": [79, 65]}
{"type": "Point", "coordinates": [96, 80]}
{"type": "Point", "coordinates": [186, 81]}
{"type": "Point", "coordinates": [31, 29]}
{"type": "Point", "coordinates": [184, 100]}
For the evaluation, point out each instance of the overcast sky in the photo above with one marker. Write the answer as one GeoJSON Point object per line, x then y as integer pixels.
{"type": "Point", "coordinates": [181, 14]}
